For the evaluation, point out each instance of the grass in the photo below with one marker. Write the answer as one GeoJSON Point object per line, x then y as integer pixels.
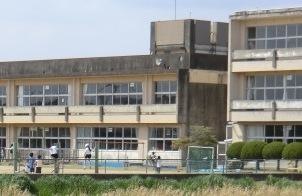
{"type": "Point", "coordinates": [201, 185]}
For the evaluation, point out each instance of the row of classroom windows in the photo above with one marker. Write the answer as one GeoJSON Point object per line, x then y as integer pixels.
{"type": "Point", "coordinates": [93, 94]}
{"type": "Point", "coordinates": [107, 138]}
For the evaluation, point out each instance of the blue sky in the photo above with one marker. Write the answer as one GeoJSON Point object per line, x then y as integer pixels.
{"type": "Point", "coordinates": [46, 29]}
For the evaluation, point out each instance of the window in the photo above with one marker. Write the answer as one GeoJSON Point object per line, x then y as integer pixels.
{"type": "Point", "coordinates": [274, 87]}
{"type": "Point", "coordinates": [161, 138]}
{"type": "Point", "coordinates": [274, 36]}
{"type": "Point", "coordinates": [116, 138]}
{"type": "Point", "coordinates": [2, 137]}
{"type": "Point", "coordinates": [113, 94]}
{"type": "Point", "coordinates": [43, 95]}
{"type": "Point", "coordinates": [38, 137]}
{"type": "Point", "coordinates": [2, 96]}
{"type": "Point", "coordinates": [270, 133]}
{"type": "Point", "coordinates": [165, 92]}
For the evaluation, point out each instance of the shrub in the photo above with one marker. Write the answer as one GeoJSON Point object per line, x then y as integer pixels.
{"type": "Point", "coordinates": [234, 150]}
{"type": "Point", "coordinates": [292, 151]}
{"type": "Point", "coordinates": [252, 150]}
{"type": "Point", "coordinates": [273, 150]}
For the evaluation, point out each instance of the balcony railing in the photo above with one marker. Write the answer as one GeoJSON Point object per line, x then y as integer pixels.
{"type": "Point", "coordinates": [90, 114]}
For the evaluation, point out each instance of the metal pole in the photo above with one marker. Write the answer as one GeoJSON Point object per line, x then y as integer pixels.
{"type": "Point", "coordinates": [96, 161]}
{"type": "Point", "coordinates": [15, 156]}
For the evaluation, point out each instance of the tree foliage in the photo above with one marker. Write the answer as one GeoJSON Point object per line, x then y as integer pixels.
{"type": "Point", "coordinates": [199, 136]}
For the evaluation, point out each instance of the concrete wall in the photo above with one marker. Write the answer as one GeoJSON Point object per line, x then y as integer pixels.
{"type": "Point", "coordinates": [207, 106]}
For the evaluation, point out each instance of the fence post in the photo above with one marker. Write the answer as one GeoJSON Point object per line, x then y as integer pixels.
{"type": "Point", "coordinates": [96, 161]}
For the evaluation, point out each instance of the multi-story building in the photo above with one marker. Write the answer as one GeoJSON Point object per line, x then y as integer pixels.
{"type": "Point", "coordinates": [127, 105]}
{"type": "Point", "coordinates": [265, 75]}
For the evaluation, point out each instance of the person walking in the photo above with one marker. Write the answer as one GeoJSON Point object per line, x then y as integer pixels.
{"type": "Point", "coordinates": [53, 151]}
{"type": "Point", "coordinates": [87, 155]}
{"type": "Point", "coordinates": [158, 165]}
{"type": "Point", "coordinates": [30, 163]}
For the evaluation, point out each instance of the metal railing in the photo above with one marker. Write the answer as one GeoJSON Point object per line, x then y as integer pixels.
{"type": "Point", "coordinates": [148, 166]}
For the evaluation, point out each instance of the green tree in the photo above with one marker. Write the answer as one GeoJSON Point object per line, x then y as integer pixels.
{"type": "Point", "coordinates": [199, 136]}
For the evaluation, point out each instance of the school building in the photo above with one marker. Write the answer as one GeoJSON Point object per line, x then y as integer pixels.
{"type": "Point", "coordinates": [127, 105]}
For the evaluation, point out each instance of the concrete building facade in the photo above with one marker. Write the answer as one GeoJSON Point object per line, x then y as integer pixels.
{"type": "Point", "coordinates": [265, 75]}
{"type": "Point", "coordinates": [127, 105]}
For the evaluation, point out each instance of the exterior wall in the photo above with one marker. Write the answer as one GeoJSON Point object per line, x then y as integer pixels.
{"type": "Point", "coordinates": [243, 62]}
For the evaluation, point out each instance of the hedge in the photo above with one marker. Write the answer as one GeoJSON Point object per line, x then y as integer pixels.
{"type": "Point", "coordinates": [292, 151]}
{"type": "Point", "coordinates": [273, 150]}
{"type": "Point", "coordinates": [234, 150]}
{"type": "Point", "coordinates": [252, 150]}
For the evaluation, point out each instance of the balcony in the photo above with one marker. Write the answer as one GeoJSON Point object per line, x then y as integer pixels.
{"type": "Point", "coordinates": [265, 111]}
{"type": "Point", "coordinates": [286, 59]}
{"type": "Point", "coordinates": [90, 114]}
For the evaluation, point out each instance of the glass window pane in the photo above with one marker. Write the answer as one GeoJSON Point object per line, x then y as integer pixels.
{"type": "Point", "coordinates": [271, 31]}
{"type": "Point", "coordinates": [118, 132]}
{"type": "Point", "coordinates": [279, 80]}
{"type": "Point", "coordinates": [251, 32]}
{"type": "Point", "coordinates": [279, 94]}
{"type": "Point", "coordinates": [158, 99]}
{"type": "Point", "coordinates": [251, 44]}
{"type": "Point", "coordinates": [100, 100]}
{"type": "Point", "coordinates": [158, 86]}
{"type": "Point", "coordinates": [95, 132]}
{"type": "Point", "coordinates": [124, 99]}
{"type": "Point", "coordinates": [168, 145]}
{"type": "Point", "coordinates": [108, 88]}
{"type": "Point", "coordinates": [299, 42]}
{"type": "Point", "coordinates": [299, 28]}
{"type": "Point", "coordinates": [269, 130]}
{"type": "Point", "coordinates": [165, 86]}
{"type": "Point", "coordinates": [298, 80]}
{"type": "Point", "coordinates": [100, 88]}
{"type": "Point", "coordinates": [91, 89]}
{"type": "Point", "coordinates": [132, 99]}
{"type": "Point", "coordinates": [139, 99]}
{"type": "Point", "coordinates": [298, 129]}
{"type": "Point", "coordinates": [270, 80]}
{"type": "Point", "coordinates": [108, 100]}
{"type": "Point", "coordinates": [278, 131]}
{"type": "Point", "coordinates": [291, 43]}
{"type": "Point", "coordinates": [127, 132]}
{"type": "Point", "coordinates": [269, 93]}
{"type": "Point", "coordinates": [165, 99]}
{"type": "Point", "coordinates": [280, 43]}
{"type": "Point", "coordinates": [260, 44]}
{"type": "Point", "coordinates": [159, 133]}
{"type": "Point", "coordinates": [173, 86]}
{"type": "Point", "coordinates": [290, 93]}
{"type": "Point", "coordinates": [36, 90]}
{"type": "Point", "coordinates": [116, 88]}
{"type": "Point", "coordinates": [172, 98]}
{"type": "Point", "coordinates": [291, 30]}
{"type": "Point", "coordinates": [26, 90]}
{"type": "Point", "coordinates": [102, 132]}
{"type": "Point", "coordinates": [110, 132]}
{"type": "Point", "coordinates": [299, 93]}
{"type": "Point", "coordinates": [271, 44]}
{"type": "Point", "coordinates": [259, 81]}
{"type": "Point", "coordinates": [124, 88]}
{"type": "Point", "coordinates": [168, 133]}
{"type": "Point", "coordinates": [116, 100]}
{"type": "Point", "coordinates": [132, 87]}
{"type": "Point", "coordinates": [290, 80]}
{"type": "Point", "coordinates": [134, 134]}
{"type": "Point", "coordinates": [259, 94]}
{"type": "Point", "coordinates": [260, 32]}
{"type": "Point", "coordinates": [139, 87]}
{"type": "Point", "coordinates": [281, 31]}
{"type": "Point", "coordinates": [90, 100]}
{"type": "Point", "coordinates": [63, 89]}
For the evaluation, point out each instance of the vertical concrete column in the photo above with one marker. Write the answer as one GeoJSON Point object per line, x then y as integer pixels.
{"type": "Point", "coordinates": [11, 96]}
{"type": "Point", "coordinates": [238, 133]}
{"type": "Point", "coordinates": [76, 92]}
{"type": "Point", "coordinates": [149, 89]}
{"type": "Point", "coordinates": [142, 138]}
{"type": "Point", "coordinates": [73, 137]}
